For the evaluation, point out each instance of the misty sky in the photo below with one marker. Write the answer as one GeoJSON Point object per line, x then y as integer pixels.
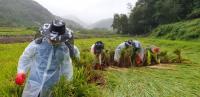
{"type": "Point", "coordinates": [88, 11]}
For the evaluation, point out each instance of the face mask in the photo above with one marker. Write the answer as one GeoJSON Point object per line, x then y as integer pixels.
{"type": "Point", "coordinates": [53, 36]}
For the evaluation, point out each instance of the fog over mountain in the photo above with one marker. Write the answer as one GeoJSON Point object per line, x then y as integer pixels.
{"type": "Point", "coordinates": [88, 11]}
{"type": "Point", "coordinates": [105, 24]}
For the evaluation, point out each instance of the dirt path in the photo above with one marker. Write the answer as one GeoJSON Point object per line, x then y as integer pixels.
{"type": "Point", "coordinates": [163, 66]}
{"type": "Point", "coordinates": [118, 69]}
{"type": "Point", "coordinates": [160, 66]}
{"type": "Point", "coordinates": [15, 39]}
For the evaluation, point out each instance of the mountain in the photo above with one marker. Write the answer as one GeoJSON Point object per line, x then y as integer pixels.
{"type": "Point", "coordinates": [27, 13]}
{"type": "Point", "coordinates": [105, 23]}
{"type": "Point", "coordinates": [75, 19]}
{"type": "Point", "coordinates": [23, 13]}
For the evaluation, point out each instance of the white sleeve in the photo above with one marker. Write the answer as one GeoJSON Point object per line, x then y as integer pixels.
{"type": "Point", "coordinates": [26, 58]}
{"type": "Point", "coordinates": [66, 67]}
{"type": "Point", "coordinates": [76, 52]}
{"type": "Point", "coordinates": [92, 49]}
{"type": "Point", "coordinates": [118, 52]}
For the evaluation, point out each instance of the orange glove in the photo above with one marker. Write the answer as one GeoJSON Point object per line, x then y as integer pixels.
{"type": "Point", "coordinates": [20, 78]}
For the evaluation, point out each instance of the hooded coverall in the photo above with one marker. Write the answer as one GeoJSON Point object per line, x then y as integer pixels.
{"type": "Point", "coordinates": [46, 63]}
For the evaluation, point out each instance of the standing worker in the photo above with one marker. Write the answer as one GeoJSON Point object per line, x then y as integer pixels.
{"type": "Point", "coordinates": [45, 60]}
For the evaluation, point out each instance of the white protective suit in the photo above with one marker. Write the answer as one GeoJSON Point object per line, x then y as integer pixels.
{"type": "Point", "coordinates": [47, 63]}
{"type": "Point", "coordinates": [121, 47]}
{"type": "Point", "coordinates": [76, 52]}
{"type": "Point", "coordinates": [92, 49]}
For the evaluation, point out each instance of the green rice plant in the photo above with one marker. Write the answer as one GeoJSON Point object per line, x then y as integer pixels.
{"type": "Point", "coordinates": [179, 58]}
{"type": "Point", "coordinates": [175, 81]}
{"type": "Point", "coordinates": [126, 57]}
{"type": "Point", "coordinates": [111, 55]}
{"type": "Point", "coordinates": [164, 57]}
{"type": "Point", "coordinates": [78, 87]}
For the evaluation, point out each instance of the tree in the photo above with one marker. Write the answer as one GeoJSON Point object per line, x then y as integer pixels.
{"type": "Point", "coordinates": [140, 19]}
{"type": "Point", "coordinates": [124, 24]}
{"type": "Point", "coordinates": [166, 12]}
{"type": "Point", "coordinates": [120, 24]}
{"type": "Point", "coordinates": [116, 23]}
{"type": "Point", "coordinates": [148, 14]}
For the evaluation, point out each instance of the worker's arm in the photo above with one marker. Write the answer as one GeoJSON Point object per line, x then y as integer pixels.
{"type": "Point", "coordinates": [25, 63]}
{"type": "Point", "coordinates": [76, 52]}
{"type": "Point", "coordinates": [92, 49]}
{"type": "Point", "coordinates": [66, 67]}
{"type": "Point", "coordinates": [118, 52]}
{"type": "Point", "coordinates": [26, 58]}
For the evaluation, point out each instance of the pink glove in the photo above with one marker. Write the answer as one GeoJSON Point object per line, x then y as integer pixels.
{"type": "Point", "coordinates": [20, 78]}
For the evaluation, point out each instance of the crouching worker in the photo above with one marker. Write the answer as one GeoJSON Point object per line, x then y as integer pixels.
{"type": "Point", "coordinates": [47, 60]}
{"type": "Point", "coordinates": [129, 53]}
{"type": "Point", "coordinates": [151, 56]}
{"type": "Point", "coordinates": [97, 51]}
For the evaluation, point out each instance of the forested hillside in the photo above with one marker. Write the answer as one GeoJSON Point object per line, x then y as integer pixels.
{"type": "Point", "coordinates": [148, 14]}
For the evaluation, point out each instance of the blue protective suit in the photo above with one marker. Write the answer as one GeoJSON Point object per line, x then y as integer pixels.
{"type": "Point", "coordinates": [47, 63]}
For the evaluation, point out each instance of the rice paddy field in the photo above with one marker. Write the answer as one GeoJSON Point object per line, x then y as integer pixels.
{"type": "Point", "coordinates": [166, 80]}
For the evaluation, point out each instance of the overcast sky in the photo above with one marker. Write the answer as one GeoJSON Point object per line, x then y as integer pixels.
{"type": "Point", "coordinates": [88, 11]}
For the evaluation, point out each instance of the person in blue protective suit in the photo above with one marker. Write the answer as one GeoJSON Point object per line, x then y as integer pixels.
{"type": "Point", "coordinates": [135, 55]}
{"type": "Point", "coordinates": [46, 61]}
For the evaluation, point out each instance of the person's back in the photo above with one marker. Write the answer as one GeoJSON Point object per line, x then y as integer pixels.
{"type": "Point", "coordinates": [135, 54]}
{"type": "Point", "coordinates": [118, 50]}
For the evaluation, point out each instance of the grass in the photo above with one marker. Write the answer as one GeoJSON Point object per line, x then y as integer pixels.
{"type": "Point", "coordinates": [181, 81]}
{"type": "Point", "coordinates": [146, 82]}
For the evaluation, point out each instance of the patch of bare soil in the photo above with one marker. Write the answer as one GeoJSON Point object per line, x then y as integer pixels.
{"type": "Point", "coordinates": [117, 69]}
{"type": "Point", "coordinates": [159, 66]}
{"type": "Point", "coordinates": [15, 39]}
